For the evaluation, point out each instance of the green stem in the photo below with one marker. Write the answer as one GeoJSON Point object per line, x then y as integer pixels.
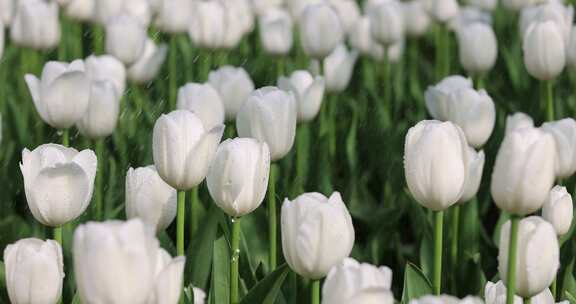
{"type": "Point", "coordinates": [98, 39]}
{"type": "Point", "coordinates": [66, 138]}
{"type": "Point", "coordinates": [272, 221]}
{"type": "Point", "coordinates": [438, 227]}
{"type": "Point", "coordinates": [172, 72]}
{"type": "Point", "coordinates": [58, 235]}
{"type": "Point", "coordinates": [553, 288]}
{"type": "Point", "coordinates": [315, 292]}
{"type": "Point", "coordinates": [455, 235]}
{"type": "Point", "coordinates": [527, 300]}
{"type": "Point", "coordinates": [442, 52]}
{"type": "Point", "coordinates": [302, 151]}
{"type": "Point", "coordinates": [386, 78]}
{"type": "Point", "coordinates": [99, 176]}
{"type": "Point", "coordinates": [181, 217]}
{"type": "Point", "coordinates": [479, 81]}
{"type": "Point", "coordinates": [512, 248]}
{"type": "Point", "coordinates": [549, 100]}
{"type": "Point", "coordinates": [194, 200]}
{"type": "Point", "coordinates": [235, 258]}
{"type": "Point", "coordinates": [64, 26]}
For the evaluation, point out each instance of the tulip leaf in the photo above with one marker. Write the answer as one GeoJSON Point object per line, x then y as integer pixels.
{"type": "Point", "coordinates": [221, 271]}
{"type": "Point", "coordinates": [571, 298]}
{"type": "Point", "coordinates": [267, 290]}
{"type": "Point", "coordinates": [416, 284]}
{"type": "Point", "coordinates": [76, 299]}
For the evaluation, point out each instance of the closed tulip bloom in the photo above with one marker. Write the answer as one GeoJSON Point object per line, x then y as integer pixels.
{"type": "Point", "coordinates": [315, 22]}
{"type": "Point", "coordinates": [148, 65]}
{"type": "Point", "coordinates": [416, 18]}
{"type": "Point", "coordinates": [242, 13]}
{"type": "Point", "coordinates": [571, 49]}
{"type": "Point", "coordinates": [360, 39]}
{"type": "Point", "coordinates": [61, 95]}
{"type": "Point", "coordinates": [234, 29]}
{"type": "Point", "coordinates": [487, 5]}
{"type": "Point", "coordinates": [58, 182]}
{"type": "Point", "coordinates": [238, 177]}
{"type": "Point", "coordinates": [101, 118]}
{"type": "Point", "coordinates": [474, 177]}
{"type": "Point", "coordinates": [35, 24]}
{"type": "Point", "coordinates": [564, 132]}
{"type": "Point", "coordinates": [467, 16]}
{"type": "Point", "coordinates": [115, 262]}
{"type": "Point", "coordinates": [518, 120]}
{"type": "Point", "coordinates": [275, 28]}
{"type": "Point", "coordinates": [169, 276]}
{"type": "Point", "coordinates": [436, 163]}
{"type": "Point", "coordinates": [204, 101]}
{"type": "Point", "coordinates": [317, 233]}
{"type": "Point", "coordinates": [446, 299]}
{"type": "Point", "coordinates": [104, 10]}
{"type": "Point", "coordinates": [387, 22]}
{"type": "Point", "coordinates": [6, 12]}
{"type": "Point", "coordinates": [150, 198]}
{"type": "Point", "coordinates": [297, 7]}
{"type": "Point", "coordinates": [562, 15]}
{"type": "Point", "coordinates": [543, 47]}
{"type": "Point", "coordinates": [269, 115]}
{"type": "Point", "coordinates": [308, 90]}
{"type": "Point", "coordinates": [442, 10]}
{"type": "Point", "coordinates": [538, 255]}
{"type": "Point", "coordinates": [173, 16]}
{"type": "Point", "coordinates": [260, 7]}
{"type": "Point", "coordinates": [351, 282]}
{"type": "Point", "coordinates": [437, 96]}
{"type": "Point", "coordinates": [106, 68]}
{"type": "Point", "coordinates": [183, 148]}
{"type": "Point", "coordinates": [495, 293]}
{"type": "Point", "coordinates": [338, 68]}
{"type": "Point", "coordinates": [34, 271]}
{"type": "Point", "coordinates": [348, 11]}
{"type": "Point", "coordinates": [478, 47]}
{"type": "Point", "coordinates": [125, 38]}
{"type": "Point", "coordinates": [207, 28]}
{"type": "Point", "coordinates": [524, 171]}
{"type": "Point", "coordinates": [81, 10]}
{"type": "Point", "coordinates": [234, 86]}
{"type": "Point", "coordinates": [558, 210]}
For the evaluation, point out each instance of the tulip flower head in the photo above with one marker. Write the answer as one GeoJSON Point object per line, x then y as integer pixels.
{"type": "Point", "coordinates": [495, 293]}
{"type": "Point", "coordinates": [387, 22]}
{"type": "Point", "coordinates": [558, 210]}
{"type": "Point", "coordinates": [564, 133]}
{"type": "Point", "coordinates": [475, 168]}
{"type": "Point", "coordinates": [478, 47]}
{"type": "Point", "coordinates": [308, 90]}
{"type": "Point", "coordinates": [106, 68]}
{"type": "Point", "coordinates": [6, 12]}
{"type": "Point", "coordinates": [518, 120]}
{"type": "Point", "coordinates": [204, 101]}
{"type": "Point", "coordinates": [338, 68]}
{"type": "Point", "coordinates": [148, 65]}
{"type": "Point", "coordinates": [416, 18]}
{"type": "Point", "coordinates": [234, 85]}
{"type": "Point", "coordinates": [446, 299]}
{"type": "Point", "coordinates": [360, 38]}
{"type": "Point", "coordinates": [544, 50]}
{"type": "Point", "coordinates": [168, 279]}
{"type": "Point", "coordinates": [101, 118]}
{"type": "Point", "coordinates": [207, 28]}
{"type": "Point", "coordinates": [315, 22]}
{"type": "Point", "coordinates": [348, 11]}
{"type": "Point", "coordinates": [35, 24]}
{"type": "Point", "coordinates": [437, 96]}
{"type": "Point", "coordinates": [125, 38]}
{"type": "Point", "coordinates": [275, 28]}
{"type": "Point", "coordinates": [442, 10]}
{"type": "Point", "coordinates": [81, 10]}
{"type": "Point", "coordinates": [173, 16]}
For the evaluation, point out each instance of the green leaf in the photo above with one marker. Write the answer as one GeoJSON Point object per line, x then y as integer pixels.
{"type": "Point", "coordinates": [416, 284]}
{"type": "Point", "coordinates": [570, 297]}
{"type": "Point", "coordinates": [76, 299]}
{"type": "Point", "coordinates": [221, 271]}
{"type": "Point", "coordinates": [199, 253]}
{"type": "Point", "coordinates": [267, 290]}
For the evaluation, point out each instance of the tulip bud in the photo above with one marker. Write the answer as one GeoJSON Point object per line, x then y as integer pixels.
{"type": "Point", "coordinates": [296, 7]}
{"type": "Point", "coordinates": [269, 115]}
{"type": "Point", "coordinates": [317, 233]}
{"type": "Point", "coordinates": [234, 29]}
{"type": "Point", "coordinates": [207, 24]}
{"type": "Point", "coordinates": [242, 14]}
{"type": "Point", "coordinates": [315, 22]}
{"type": "Point", "coordinates": [62, 94]}
{"type": "Point", "coordinates": [58, 182]}
{"type": "Point", "coordinates": [361, 39]}
{"type": "Point", "coordinates": [387, 22]}
{"type": "Point", "coordinates": [183, 149]}
{"type": "Point", "coordinates": [524, 171]}
{"type": "Point", "coordinates": [238, 177]}
{"type": "Point", "coordinates": [442, 10]}
{"type": "Point", "coordinates": [538, 255]}
{"type": "Point", "coordinates": [495, 293]}
{"type": "Point", "coordinates": [234, 86]}
{"type": "Point", "coordinates": [149, 198]}
{"type": "Point", "coordinates": [106, 68]}
{"type": "Point", "coordinates": [558, 210]}
{"type": "Point", "coordinates": [486, 5]}
{"type": "Point", "coordinates": [436, 163]}
{"type": "Point", "coordinates": [128, 248]}
{"type": "Point", "coordinates": [81, 10]}
{"type": "Point", "coordinates": [446, 299]}
{"type": "Point", "coordinates": [308, 91]}
{"type": "Point", "coordinates": [35, 24]}
{"type": "Point", "coordinates": [148, 65]}
{"type": "Point", "coordinates": [101, 118]}
{"type": "Point", "coordinates": [477, 47]}
{"type": "Point", "coordinates": [551, 11]}
{"type": "Point", "coordinates": [125, 38]}
{"type": "Point", "coordinates": [518, 120]}
{"type": "Point", "coordinates": [564, 132]}
{"type": "Point", "coordinates": [260, 7]}
{"type": "Point", "coordinates": [7, 12]}
{"type": "Point", "coordinates": [338, 68]}
{"type": "Point", "coordinates": [104, 10]}
{"type": "Point", "coordinates": [416, 19]}
{"type": "Point", "coordinates": [34, 271]}
{"type": "Point", "coordinates": [169, 276]}
{"type": "Point", "coordinates": [173, 16]}
{"type": "Point", "coordinates": [474, 177]}
{"type": "Point", "coordinates": [348, 11]}
{"type": "Point", "coordinates": [543, 48]}
{"type": "Point", "coordinates": [275, 27]}
{"type": "Point", "coordinates": [437, 97]}
{"type": "Point", "coordinates": [469, 15]}
{"type": "Point", "coordinates": [353, 283]}
{"type": "Point", "coordinates": [199, 295]}
{"type": "Point", "coordinates": [204, 101]}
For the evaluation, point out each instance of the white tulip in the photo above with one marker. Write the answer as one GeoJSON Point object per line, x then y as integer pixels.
{"type": "Point", "coordinates": [524, 171]}
{"type": "Point", "coordinates": [315, 22]}
{"type": "Point", "coordinates": [115, 262]}
{"type": "Point", "coordinates": [478, 47]}
{"type": "Point", "coordinates": [34, 271]}
{"type": "Point", "coordinates": [262, 6]}
{"type": "Point", "coordinates": [348, 11]}
{"type": "Point", "coordinates": [238, 177]}
{"type": "Point", "coordinates": [538, 255]}
{"type": "Point", "coordinates": [361, 40]}
{"type": "Point", "coordinates": [58, 182]}
{"type": "Point", "coordinates": [148, 65]}
{"type": "Point", "coordinates": [150, 198]}
{"type": "Point", "coordinates": [269, 115]}
{"type": "Point", "coordinates": [199, 295]}
{"type": "Point", "coordinates": [35, 24]}
{"type": "Point", "coordinates": [242, 13]}
{"type": "Point", "coordinates": [387, 22]}
{"type": "Point", "coordinates": [104, 10]}
{"type": "Point", "coordinates": [338, 68]}
{"type": "Point", "coordinates": [317, 233]}
{"type": "Point", "coordinates": [474, 177]}
{"type": "Point", "coordinates": [297, 7]}
{"type": "Point", "coordinates": [7, 12]}
{"type": "Point", "coordinates": [437, 97]}
{"type": "Point", "coordinates": [106, 68]}
{"type": "Point", "coordinates": [141, 9]}
{"type": "Point", "coordinates": [234, 86]}
{"type": "Point", "coordinates": [207, 28]}
{"type": "Point", "coordinates": [351, 282]}
{"type": "Point", "coordinates": [169, 276]}
{"type": "Point", "coordinates": [183, 149]}
{"type": "Point", "coordinates": [101, 118]}
{"type": "Point", "coordinates": [275, 28]}
{"type": "Point", "coordinates": [436, 163]}
{"type": "Point", "coordinates": [518, 120]}
{"type": "Point", "coordinates": [416, 18]}
{"type": "Point", "coordinates": [82, 10]}
{"type": "Point", "coordinates": [204, 101]}
{"type": "Point", "coordinates": [125, 38]}
{"type": "Point", "coordinates": [173, 16]}
{"type": "Point", "coordinates": [564, 132]}
{"type": "Point", "coordinates": [442, 10]}
{"type": "Point", "coordinates": [308, 90]}
{"type": "Point", "coordinates": [446, 299]}
{"type": "Point", "coordinates": [495, 293]}
{"type": "Point", "coordinates": [558, 210]}
{"type": "Point", "coordinates": [234, 28]}
{"type": "Point", "coordinates": [62, 94]}
{"type": "Point", "coordinates": [467, 16]}
{"type": "Point", "coordinates": [543, 46]}
{"type": "Point", "coordinates": [562, 15]}
{"type": "Point", "coordinates": [487, 5]}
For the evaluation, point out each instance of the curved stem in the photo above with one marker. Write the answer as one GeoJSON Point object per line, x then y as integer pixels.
{"type": "Point", "coordinates": [315, 292]}
{"type": "Point", "coordinates": [234, 299]}
{"type": "Point", "coordinates": [512, 248]}
{"type": "Point", "coordinates": [438, 230]}
{"type": "Point", "coordinates": [272, 221]}
{"type": "Point", "coordinates": [181, 217]}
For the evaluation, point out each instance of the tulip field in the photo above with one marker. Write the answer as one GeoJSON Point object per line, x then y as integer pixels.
{"type": "Point", "coordinates": [287, 151]}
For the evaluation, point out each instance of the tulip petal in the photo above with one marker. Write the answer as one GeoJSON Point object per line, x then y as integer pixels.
{"type": "Point", "coordinates": [66, 99]}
